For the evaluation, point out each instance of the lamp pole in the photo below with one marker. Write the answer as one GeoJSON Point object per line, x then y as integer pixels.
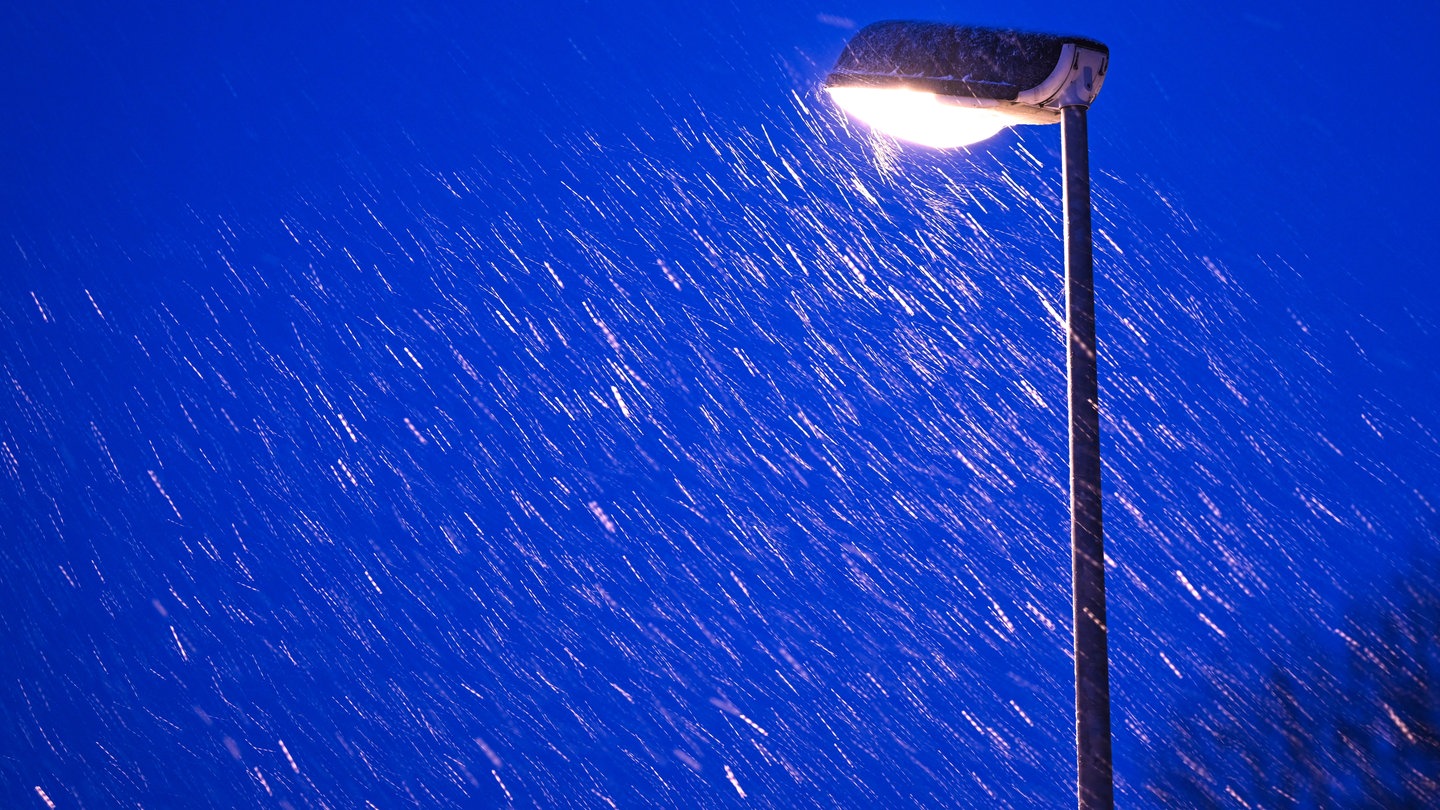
{"type": "Point", "coordinates": [947, 85]}
{"type": "Point", "coordinates": [1094, 788]}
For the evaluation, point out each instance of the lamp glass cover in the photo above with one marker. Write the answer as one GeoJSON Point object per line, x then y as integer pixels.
{"type": "Point", "coordinates": [920, 117]}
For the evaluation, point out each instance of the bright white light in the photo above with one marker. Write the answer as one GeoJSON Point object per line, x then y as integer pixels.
{"type": "Point", "coordinates": [920, 117]}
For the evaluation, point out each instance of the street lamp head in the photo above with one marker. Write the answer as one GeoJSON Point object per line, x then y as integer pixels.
{"type": "Point", "coordinates": [946, 85]}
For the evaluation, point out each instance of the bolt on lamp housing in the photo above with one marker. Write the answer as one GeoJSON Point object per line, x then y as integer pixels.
{"type": "Point", "coordinates": [947, 85]}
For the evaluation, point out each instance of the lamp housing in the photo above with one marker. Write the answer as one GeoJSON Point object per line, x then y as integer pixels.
{"type": "Point", "coordinates": [950, 85]}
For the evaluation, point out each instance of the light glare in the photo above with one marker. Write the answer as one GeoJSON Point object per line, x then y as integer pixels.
{"type": "Point", "coordinates": [920, 117]}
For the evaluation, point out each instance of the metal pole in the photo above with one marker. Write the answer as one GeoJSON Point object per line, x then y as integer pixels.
{"type": "Point", "coordinates": [1095, 787]}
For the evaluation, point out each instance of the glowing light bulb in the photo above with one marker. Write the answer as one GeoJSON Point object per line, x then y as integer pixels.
{"type": "Point", "coordinates": [921, 117]}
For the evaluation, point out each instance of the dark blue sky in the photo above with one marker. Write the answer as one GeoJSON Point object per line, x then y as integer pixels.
{"type": "Point", "coordinates": [441, 405]}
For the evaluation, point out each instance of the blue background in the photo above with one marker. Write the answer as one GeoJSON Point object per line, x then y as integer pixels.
{"type": "Point", "coordinates": [560, 404]}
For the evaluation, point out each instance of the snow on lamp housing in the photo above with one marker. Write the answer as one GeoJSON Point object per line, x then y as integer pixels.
{"type": "Point", "coordinates": [947, 85]}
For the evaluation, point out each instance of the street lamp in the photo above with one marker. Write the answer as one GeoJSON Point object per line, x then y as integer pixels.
{"type": "Point", "coordinates": [948, 85]}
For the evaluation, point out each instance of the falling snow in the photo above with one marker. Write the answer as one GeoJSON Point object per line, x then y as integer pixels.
{"type": "Point", "coordinates": [689, 460]}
